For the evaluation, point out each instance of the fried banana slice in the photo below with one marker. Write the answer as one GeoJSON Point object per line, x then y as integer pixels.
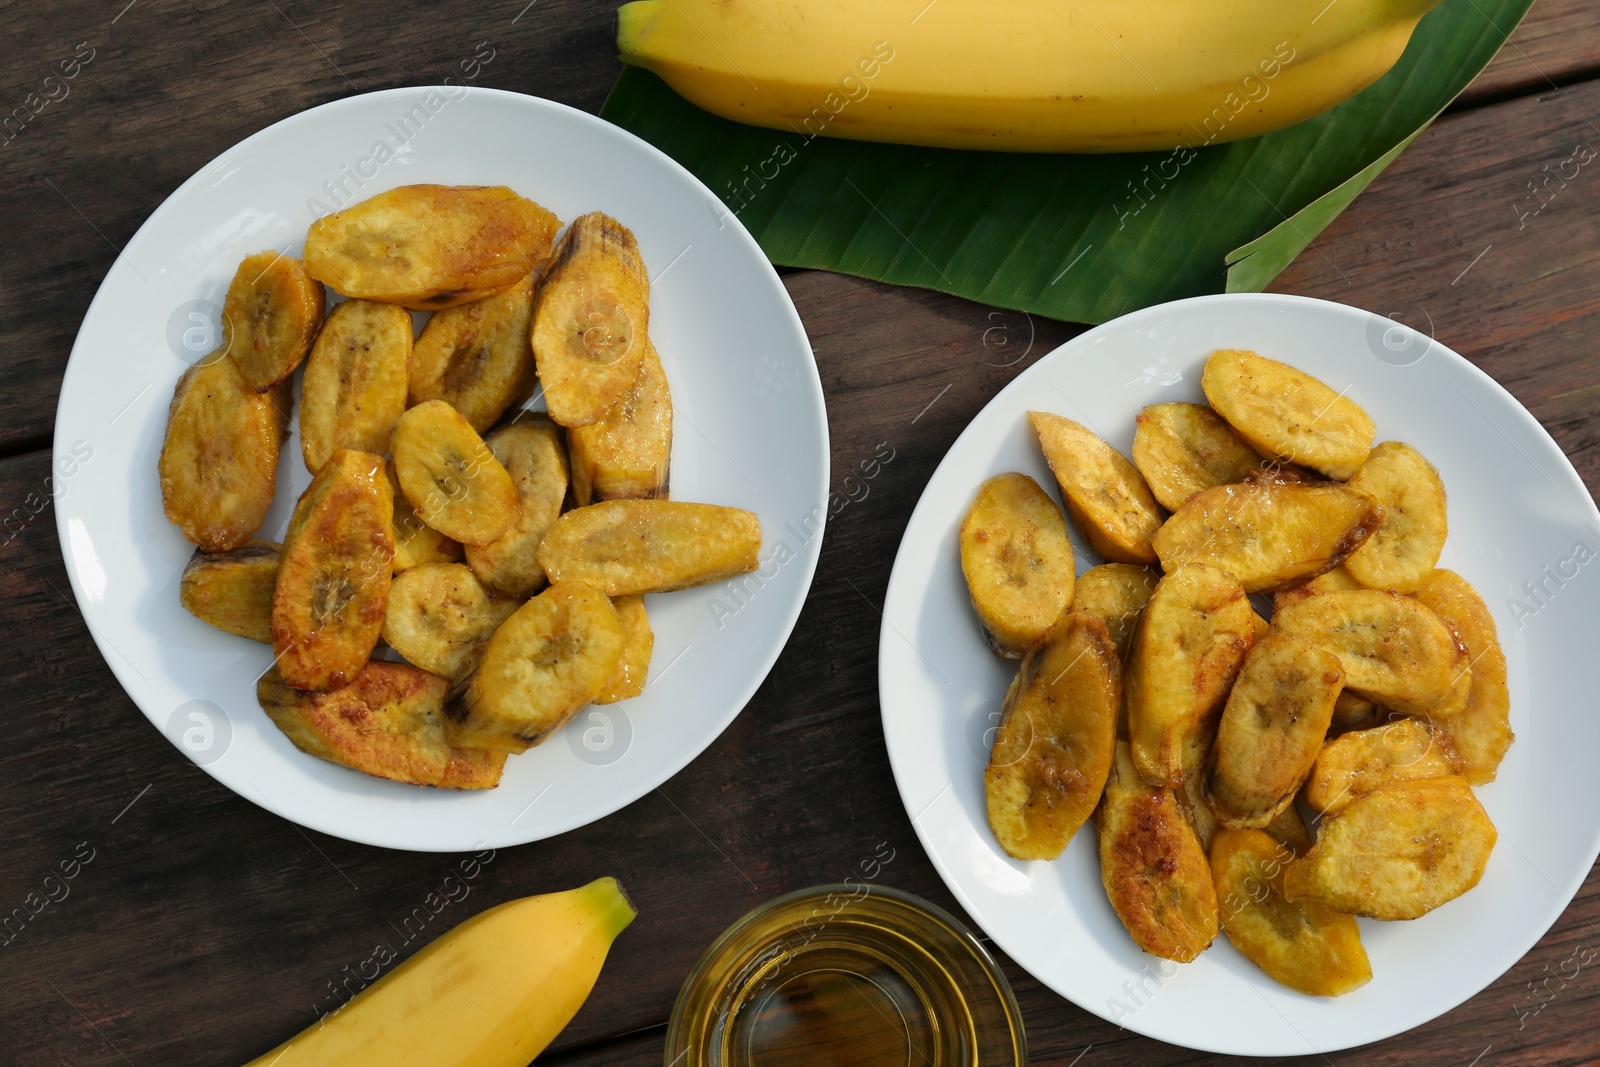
{"type": "Point", "coordinates": [270, 317]}
{"type": "Point", "coordinates": [1052, 751]}
{"type": "Point", "coordinates": [633, 666]}
{"type": "Point", "coordinates": [623, 547]}
{"type": "Point", "coordinates": [1105, 494]}
{"type": "Point", "coordinates": [1481, 734]}
{"type": "Point", "coordinates": [452, 480]}
{"type": "Point", "coordinates": [1152, 866]}
{"type": "Point", "coordinates": [1191, 641]}
{"type": "Point", "coordinates": [430, 246]}
{"type": "Point", "coordinates": [1397, 853]}
{"type": "Point", "coordinates": [530, 451]}
{"type": "Point", "coordinates": [1337, 580]}
{"type": "Point", "coordinates": [590, 326]}
{"type": "Point", "coordinates": [1016, 555]}
{"type": "Point", "coordinates": [440, 618]}
{"type": "Point", "coordinates": [1351, 712]}
{"type": "Point", "coordinates": [625, 454]}
{"type": "Point", "coordinates": [1287, 413]}
{"type": "Point", "coordinates": [333, 582]}
{"type": "Point", "coordinates": [1184, 448]}
{"type": "Point", "coordinates": [541, 667]}
{"type": "Point", "coordinates": [1364, 761]}
{"type": "Point", "coordinates": [232, 590]}
{"type": "Point", "coordinates": [476, 357]}
{"type": "Point", "coordinates": [388, 722]}
{"type": "Point", "coordinates": [1402, 551]}
{"type": "Point", "coordinates": [1116, 593]}
{"type": "Point", "coordinates": [354, 387]}
{"type": "Point", "coordinates": [219, 461]}
{"type": "Point", "coordinates": [1394, 651]}
{"type": "Point", "coordinates": [1272, 729]}
{"type": "Point", "coordinates": [415, 542]}
{"type": "Point", "coordinates": [1300, 944]}
{"type": "Point", "coordinates": [1288, 827]}
{"type": "Point", "coordinates": [1192, 799]}
{"type": "Point", "coordinates": [1269, 534]}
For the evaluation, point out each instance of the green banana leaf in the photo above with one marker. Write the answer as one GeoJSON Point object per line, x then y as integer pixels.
{"type": "Point", "coordinates": [1078, 237]}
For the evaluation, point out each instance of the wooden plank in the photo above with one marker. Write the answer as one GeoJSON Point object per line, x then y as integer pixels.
{"type": "Point", "coordinates": [1558, 43]}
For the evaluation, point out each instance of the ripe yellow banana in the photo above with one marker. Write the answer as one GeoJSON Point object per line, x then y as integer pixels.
{"type": "Point", "coordinates": [1019, 75]}
{"type": "Point", "coordinates": [493, 992]}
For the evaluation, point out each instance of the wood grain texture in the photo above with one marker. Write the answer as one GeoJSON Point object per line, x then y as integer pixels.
{"type": "Point", "coordinates": [1558, 43]}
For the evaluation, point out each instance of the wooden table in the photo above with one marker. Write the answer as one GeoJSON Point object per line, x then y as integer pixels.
{"type": "Point", "coordinates": [204, 928]}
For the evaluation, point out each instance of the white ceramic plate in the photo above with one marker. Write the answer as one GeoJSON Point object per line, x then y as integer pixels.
{"type": "Point", "coordinates": [1517, 513]}
{"type": "Point", "coordinates": [750, 432]}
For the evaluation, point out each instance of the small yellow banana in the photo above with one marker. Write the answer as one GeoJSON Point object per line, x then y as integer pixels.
{"type": "Point", "coordinates": [493, 992]}
{"type": "Point", "coordinates": [1019, 75]}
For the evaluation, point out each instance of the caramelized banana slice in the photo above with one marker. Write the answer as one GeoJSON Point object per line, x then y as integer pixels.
{"type": "Point", "coordinates": [530, 450]}
{"type": "Point", "coordinates": [1337, 580]}
{"type": "Point", "coordinates": [1017, 559]}
{"type": "Point", "coordinates": [476, 357]}
{"type": "Point", "coordinates": [232, 590]}
{"type": "Point", "coordinates": [1364, 761]}
{"type": "Point", "coordinates": [1394, 651]}
{"type": "Point", "coordinates": [1116, 593]}
{"type": "Point", "coordinates": [589, 328]}
{"type": "Point", "coordinates": [220, 459]}
{"type": "Point", "coordinates": [1192, 799]}
{"type": "Point", "coordinates": [1481, 734]}
{"type": "Point", "coordinates": [1190, 643]}
{"type": "Point", "coordinates": [388, 722]}
{"type": "Point", "coordinates": [415, 542]}
{"type": "Point", "coordinates": [633, 666]}
{"type": "Point", "coordinates": [1105, 494]}
{"type": "Point", "coordinates": [1300, 944]}
{"type": "Point", "coordinates": [440, 618]}
{"type": "Point", "coordinates": [1052, 752]}
{"type": "Point", "coordinates": [541, 667]}
{"type": "Point", "coordinates": [333, 583]}
{"type": "Point", "coordinates": [1402, 551]}
{"type": "Point", "coordinates": [1397, 853]}
{"type": "Point", "coordinates": [1288, 827]}
{"type": "Point", "coordinates": [1272, 729]}
{"type": "Point", "coordinates": [1287, 413]}
{"type": "Point", "coordinates": [1268, 533]}
{"type": "Point", "coordinates": [430, 246]}
{"type": "Point", "coordinates": [270, 317]}
{"type": "Point", "coordinates": [1184, 448]}
{"type": "Point", "coordinates": [454, 483]}
{"type": "Point", "coordinates": [1152, 866]}
{"type": "Point", "coordinates": [1351, 712]}
{"type": "Point", "coordinates": [624, 547]}
{"type": "Point", "coordinates": [354, 387]}
{"type": "Point", "coordinates": [625, 454]}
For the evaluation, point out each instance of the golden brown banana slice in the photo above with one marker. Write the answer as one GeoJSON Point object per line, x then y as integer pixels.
{"type": "Point", "coordinates": [530, 451]}
{"type": "Point", "coordinates": [476, 357]}
{"type": "Point", "coordinates": [1152, 866]}
{"type": "Point", "coordinates": [232, 590]}
{"type": "Point", "coordinates": [1105, 494]}
{"type": "Point", "coordinates": [541, 667]}
{"type": "Point", "coordinates": [1016, 555]}
{"type": "Point", "coordinates": [590, 326]}
{"type": "Point", "coordinates": [1364, 761]}
{"type": "Point", "coordinates": [270, 317]}
{"type": "Point", "coordinates": [623, 547]}
{"type": "Point", "coordinates": [388, 722]}
{"type": "Point", "coordinates": [1287, 413]}
{"type": "Point", "coordinates": [1300, 944]}
{"type": "Point", "coordinates": [219, 462]}
{"type": "Point", "coordinates": [1397, 853]}
{"type": "Point", "coordinates": [1288, 827]}
{"type": "Point", "coordinates": [1272, 729]}
{"type": "Point", "coordinates": [1052, 752]}
{"type": "Point", "coordinates": [452, 479]}
{"type": "Point", "coordinates": [633, 666]}
{"type": "Point", "coordinates": [415, 542]}
{"type": "Point", "coordinates": [1269, 533]}
{"type": "Point", "coordinates": [440, 618]}
{"type": "Point", "coordinates": [1351, 712]}
{"type": "Point", "coordinates": [1394, 651]}
{"type": "Point", "coordinates": [1184, 448]}
{"type": "Point", "coordinates": [333, 582]}
{"type": "Point", "coordinates": [1403, 550]}
{"type": "Point", "coordinates": [1191, 641]}
{"type": "Point", "coordinates": [1335, 581]}
{"type": "Point", "coordinates": [354, 386]}
{"type": "Point", "coordinates": [1481, 734]}
{"type": "Point", "coordinates": [1192, 799]}
{"type": "Point", "coordinates": [625, 454]}
{"type": "Point", "coordinates": [1116, 593]}
{"type": "Point", "coordinates": [430, 246]}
